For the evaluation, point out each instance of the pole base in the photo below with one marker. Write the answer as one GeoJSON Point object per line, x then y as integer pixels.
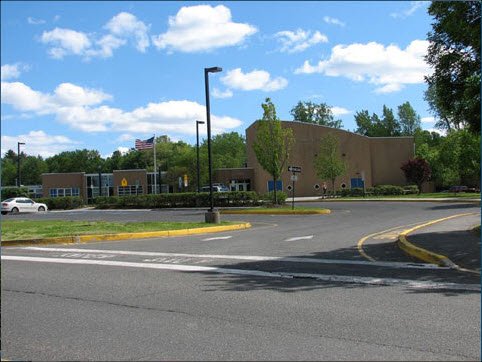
{"type": "Point", "coordinates": [212, 217]}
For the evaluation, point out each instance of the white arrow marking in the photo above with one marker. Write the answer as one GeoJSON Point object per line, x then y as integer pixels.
{"type": "Point", "coordinates": [300, 238]}
{"type": "Point", "coordinates": [218, 238]}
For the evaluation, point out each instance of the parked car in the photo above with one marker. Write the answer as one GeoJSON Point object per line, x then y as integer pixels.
{"type": "Point", "coordinates": [216, 188]}
{"type": "Point", "coordinates": [21, 204]}
{"type": "Point", "coordinates": [458, 189]}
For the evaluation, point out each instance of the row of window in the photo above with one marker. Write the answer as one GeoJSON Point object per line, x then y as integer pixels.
{"type": "Point", "coordinates": [61, 192]}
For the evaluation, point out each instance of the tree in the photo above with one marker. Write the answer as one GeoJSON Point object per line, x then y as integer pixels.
{"type": "Point", "coordinates": [389, 124]}
{"type": "Point", "coordinates": [417, 171]}
{"type": "Point", "coordinates": [273, 143]}
{"type": "Point", "coordinates": [310, 112]}
{"type": "Point", "coordinates": [328, 163]}
{"type": "Point", "coordinates": [454, 54]}
{"type": "Point", "coordinates": [409, 119]}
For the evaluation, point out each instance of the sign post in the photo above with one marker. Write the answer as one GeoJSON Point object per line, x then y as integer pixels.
{"type": "Point", "coordinates": [294, 177]}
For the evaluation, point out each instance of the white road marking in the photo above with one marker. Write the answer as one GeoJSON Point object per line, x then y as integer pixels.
{"type": "Point", "coordinates": [308, 237]}
{"type": "Point", "coordinates": [389, 264]}
{"type": "Point", "coordinates": [218, 238]}
{"type": "Point", "coordinates": [196, 268]}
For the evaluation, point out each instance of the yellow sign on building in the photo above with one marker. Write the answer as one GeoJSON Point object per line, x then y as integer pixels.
{"type": "Point", "coordinates": [124, 182]}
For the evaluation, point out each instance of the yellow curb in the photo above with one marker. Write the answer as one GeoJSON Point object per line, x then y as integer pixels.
{"type": "Point", "coordinates": [426, 255]}
{"type": "Point", "coordinates": [125, 236]}
{"type": "Point", "coordinates": [402, 200]}
{"type": "Point", "coordinates": [283, 212]}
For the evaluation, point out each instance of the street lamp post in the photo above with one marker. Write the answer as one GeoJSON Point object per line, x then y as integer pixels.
{"type": "Point", "coordinates": [197, 151]}
{"type": "Point", "coordinates": [100, 180]}
{"type": "Point", "coordinates": [18, 163]}
{"type": "Point", "coordinates": [211, 215]}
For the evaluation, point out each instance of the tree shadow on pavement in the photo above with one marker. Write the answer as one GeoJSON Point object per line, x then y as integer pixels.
{"type": "Point", "coordinates": [331, 273]}
{"type": "Point", "coordinates": [454, 206]}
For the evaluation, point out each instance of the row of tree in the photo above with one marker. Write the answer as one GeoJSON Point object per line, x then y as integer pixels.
{"type": "Point", "coordinates": [177, 158]}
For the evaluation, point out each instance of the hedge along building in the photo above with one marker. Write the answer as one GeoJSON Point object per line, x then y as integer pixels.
{"type": "Point", "coordinates": [374, 160]}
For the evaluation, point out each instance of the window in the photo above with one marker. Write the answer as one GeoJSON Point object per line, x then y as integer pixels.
{"type": "Point", "coordinates": [129, 190]}
{"type": "Point", "coordinates": [61, 192]}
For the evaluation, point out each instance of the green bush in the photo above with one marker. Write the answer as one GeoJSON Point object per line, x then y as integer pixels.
{"type": "Point", "coordinates": [411, 189]}
{"type": "Point", "coordinates": [186, 199]}
{"type": "Point", "coordinates": [269, 197]}
{"type": "Point", "coordinates": [62, 203]}
{"type": "Point", "coordinates": [387, 190]}
{"type": "Point", "coordinates": [8, 192]}
{"type": "Point", "coordinates": [356, 191]}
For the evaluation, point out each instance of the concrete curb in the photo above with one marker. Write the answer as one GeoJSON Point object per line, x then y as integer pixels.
{"type": "Point", "coordinates": [79, 239]}
{"type": "Point", "coordinates": [403, 200]}
{"type": "Point", "coordinates": [287, 212]}
{"type": "Point", "coordinates": [426, 255]}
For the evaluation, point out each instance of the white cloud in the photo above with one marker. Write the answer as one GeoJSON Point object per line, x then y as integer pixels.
{"type": "Point", "coordinates": [414, 6]}
{"type": "Point", "coordinates": [125, 137]}
{"type": "Point", "coordinates": [34, 21]}
{"type": "Point", "coordinates": [65, 42]}
{"type": "Point", "coordinates": [340, 111]}
{"type": "Point", "coordinates": [441, 132]}
{"type": "Point", "coordinates": [255, 80]}
{"type": "Point", "coordinates": [390, 67]}
{"type": "Point", "coordinates": [334, 21]}
{"type": "Point", "coordinates": [68, 94]}
{"type": "Point", "coordinates": [38, 143]}
{"type": "Point", "coordinates": [81, 109]}
{"type": "Point", "coordinates": [122, 150]}
{"type": "Point", "coordinates": [9, 71]}
{"type": "Point", "coordinates": [216, 93]}
{"type": "Point", "coordinates": [293, 42]}
{"type": "Point", "coordinates": [121, 28]}
{"type": "Point", "coordinates": [428, 120]}
{"type": "Point", "coordinates": [127, 25]}
{"type": "Point", "coordinates": [202, 28]}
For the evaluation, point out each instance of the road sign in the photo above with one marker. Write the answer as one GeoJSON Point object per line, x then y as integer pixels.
{"type": "Point", "coordinates": [294, 169]}
{"type": "Point", "coordinates": [294, 178]}
{"type": "Point", "coordinates": [124, 182]}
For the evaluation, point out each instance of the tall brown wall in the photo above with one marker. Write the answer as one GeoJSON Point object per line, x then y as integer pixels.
{"type": "Point", "coordinates": [63, 180]}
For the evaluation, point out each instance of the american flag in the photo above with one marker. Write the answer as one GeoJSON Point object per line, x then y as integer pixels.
{"type": "Point", "coordinates": [144, 145]}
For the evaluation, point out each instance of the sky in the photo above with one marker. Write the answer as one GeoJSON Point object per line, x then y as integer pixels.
{"type": "Point", "coordinates": [98, 75]}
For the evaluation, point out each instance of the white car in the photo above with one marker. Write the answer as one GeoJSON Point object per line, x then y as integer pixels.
{"type": "Point", "coordinates": [21, 204]}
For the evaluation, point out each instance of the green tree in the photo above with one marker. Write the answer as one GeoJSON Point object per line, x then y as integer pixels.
{"type": "Point", "coordinates": [310, 112]}
{"type": "Point", "coordinates": [409, 119]}
{"type": "Point", "coordinates": [273, 143]}
{"type": "Point", "coordinates": [9, 169]}
{"type": "Point", "coordinates": [328, 162]}
{"type": "Point", "coordinates": [75, 161]}
{"type": "Point", "coordinates": [454, 54]}
{"type": "Point", "coordinates": [32, 169]}
{"type": "Point", "coordinates": [389, 124]}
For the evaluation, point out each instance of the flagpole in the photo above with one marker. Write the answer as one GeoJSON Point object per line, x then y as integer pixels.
{"type": "Point", "coordinates": [155, 168]}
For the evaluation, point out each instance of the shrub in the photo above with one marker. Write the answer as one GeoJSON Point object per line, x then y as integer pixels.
{"type": "Point", "coordinates": [411, 189]}
{"type": "Point", "coordinates": [8, 192]}
{"type": "Point", "coordinates": [186, 199]}
{"type": "Point", "coordinates": [387, 190]}
{"type": "Point", "coordinates": [269, 197]}
{"type": "Point", "coordinates": [62, 203]}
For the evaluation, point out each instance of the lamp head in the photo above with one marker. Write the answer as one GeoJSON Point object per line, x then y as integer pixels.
{"type": "Point", "coordinates": [200, 122]}
{"type": "Point", "coordinates": [213, 69]}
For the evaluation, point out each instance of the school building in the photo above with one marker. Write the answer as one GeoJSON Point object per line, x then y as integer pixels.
{"type": "Point", "coordinates": [370, 161]}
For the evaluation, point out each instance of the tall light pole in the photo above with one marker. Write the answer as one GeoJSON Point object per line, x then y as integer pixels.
{"type": "Point", "coordinates": [18, 163]}
{"type": "Point", "coordinates": [197, 151]}
{"type": "Point", "coordinates": [211, 216]}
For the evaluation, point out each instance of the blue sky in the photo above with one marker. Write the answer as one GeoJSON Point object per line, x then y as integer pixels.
{"type": "Point", "coordinates": [98, 75]}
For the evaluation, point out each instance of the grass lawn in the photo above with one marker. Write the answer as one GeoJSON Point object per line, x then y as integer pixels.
{"type": "Point", "coordinates": [27, 229]}
{"type": "Point", "coordinates": [283, 210]}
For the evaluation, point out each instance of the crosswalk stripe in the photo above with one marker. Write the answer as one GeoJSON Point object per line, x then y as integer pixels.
{"type": "Point", "coordinates": [244, 257]}
{"type": "Point", "coordinates": [195, 268]}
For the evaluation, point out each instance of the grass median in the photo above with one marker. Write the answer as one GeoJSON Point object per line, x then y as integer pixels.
{"type": "Point", "coordinates": [283, 210]}
{"type": "Point", "coordinates": [27, 229]}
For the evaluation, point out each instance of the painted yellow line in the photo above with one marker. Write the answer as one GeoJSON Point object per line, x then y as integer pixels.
{"type": "Point", "coordinates": [365, 238]}
{"type": "Point", "coordinates": [126, 236]}
{"type": "Point", "coordinates": [278, 212]}
{"type": "Point", "coordinates": [426, 255]}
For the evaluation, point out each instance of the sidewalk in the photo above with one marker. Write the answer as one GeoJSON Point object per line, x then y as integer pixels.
{"type": "Point", "coordinates": [331, 199]}
{"type": "Point", "coordinates": [452, 238]}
